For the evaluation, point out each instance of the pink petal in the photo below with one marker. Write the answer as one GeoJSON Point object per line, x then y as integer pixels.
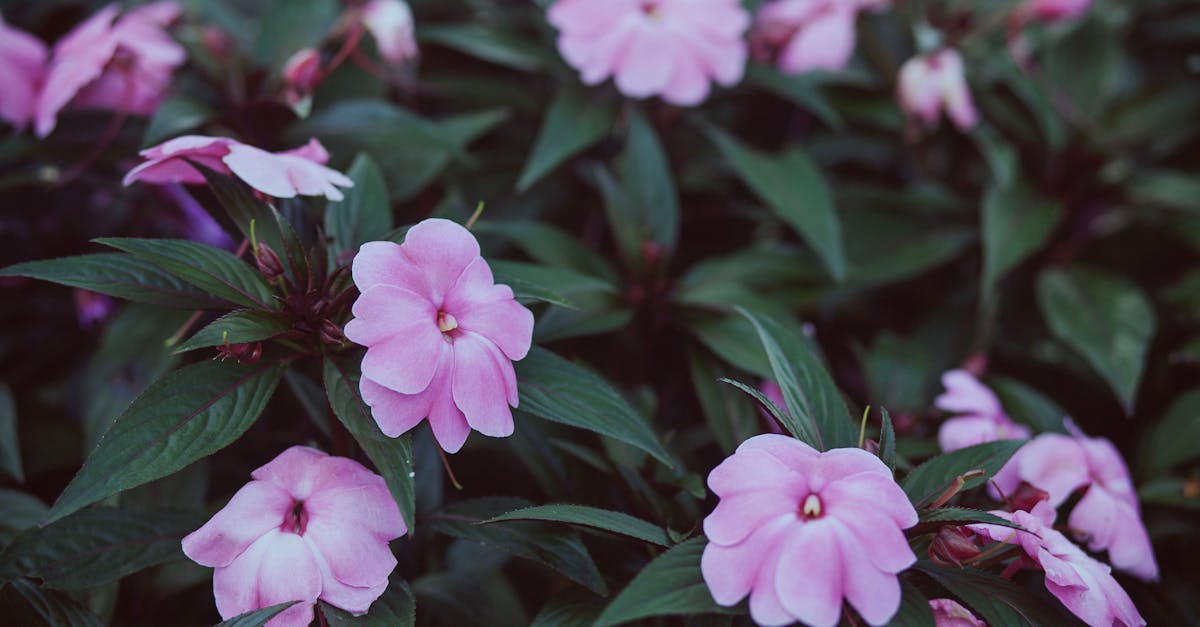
{"type": "Point", "coordinates": [441, 249]}
{"type": "Point", "coordinates": [873, 592]}
{"type": "Point", "coordinates": [489, 310]}
{"type": "Point", "coordinates": [647, 63]}
{"type": "Point", "coordinates": [253, 511]}
{"type": "Point", "coordinates": [277, 568]}
{"type": "Point", "coordinates": [751, 470]}
{"type": "Point", "coordinates": [396, 413]}
{"type": "Point", "coordinates": [312, 151]}
{"type": "Point", "coordinates": [966, 431]}
{"type": "Point", "coordinates": [879, 491]}
{"type": "Point", "coordinates": [809, 580]}
{"type": "Point", "coordinates": [1054, 463]}
{"type": "Point", "coordinates": [730, 571]}
{"type": "Point", "coordinates": [448, 423]}
{"type": "Point", "coordinates": [406, 361]}
{"type": "Point", "coordinates": [356, 557]}
{"type": "Point", "coordinates": [284, 176]}
{"type": "Point", "coordinates": [350, 598]}
{"type": "Point", "coordinates": [1111, 524]}
{"type": "Point", "coordinates": [479, 387]}
{"type": "Point", "coordinates": [883, 541]}
{"type": "Point", "coordinates": [688, 85]}
{"type": "Point", "coordinates": [842, 464]}
{"type": "Point", "coordinates": [391, 24]}
{"type": "Point", "coordinates": [384, 263]}
{"type": "Point", "coordinates": [738, 515]}
{"type": "Point", "coordinates": [824, 43]}
{"type": "Point", "coordinates": [370, 506]}
{"type": "Point", "coordinates": [384, 311]}
{"type": "Point", "coordinates": [293, 470]}
{"type": "Point", "coordinates": [793, 453]}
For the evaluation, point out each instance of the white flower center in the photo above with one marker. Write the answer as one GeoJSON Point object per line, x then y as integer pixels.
{"type": "Point", "coordinates": [811, 507]}
{"type": "Point", "coordinates": [446, 322]}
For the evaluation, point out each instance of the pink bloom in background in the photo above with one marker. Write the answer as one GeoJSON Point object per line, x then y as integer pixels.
{"type": "Point", "coordinates": [1054, 10]}
{"type": "Point", "coordinates": [935, 82]}
{"type": "Point", "coordinates": [982, 418]}
{"type": "Point", "coordinates": [811, 34]}
{"type": "Point", "coordinates": [668, 48]}
{"type": "Point", "coordinates": [441, 336]}
{"type": "Point", "coordinates": [949, 613]}
{"type": "Point", "coordinates": [302, 71]}
{"type": "Point", "coordinates": [1108, 514]}
{"type": "Point", "coordinates": [279, 174]}
{"type": "Point", "coordinates": [22, 65]}
{"type": "Point", "coordinates": [92, 308]}
{"type": "Point", "coordinates": [771, 390]}
{"type": "Point", "coordinates": [121, 66]}
{"type": "Point", "coordinates": [309, 526]}
{"type": "Point", "coordinates": [390, 22]}
{"type": "Point", "coordinates": [1084, 585]}
{"type": "Point", "coordinates": [799, 530]}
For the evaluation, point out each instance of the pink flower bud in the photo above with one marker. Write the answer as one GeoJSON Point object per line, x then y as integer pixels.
{"type": "Point", "coordinates": [302, 72]}
{"type": "Point", "coordinates": [22, 63]}
{"type": "Point", "coordinates": [391, 24]}
{"type": "Point", "coordinates": [952, 546]}
{"type": "Point", "coordinates": [935, 82]}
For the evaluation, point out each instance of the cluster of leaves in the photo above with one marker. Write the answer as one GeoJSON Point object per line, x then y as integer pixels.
{"type": "Point", "coordinates": [787, 230]}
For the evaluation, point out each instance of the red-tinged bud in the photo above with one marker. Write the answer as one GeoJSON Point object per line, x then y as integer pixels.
{"type": "Point", "coordinates": [331, 333]}
{"type": "Point", "coordinates": [652, 252]}
{"type": "Point", "coordinates": [302, 72]}
{"type": "Point", "coordinates": [1026, 497]}
{"type": "Point", "coordinates": [976, 364]}
{"type": "Point", "coordinates": [268, 263]}
{"type": "Point", "coordinates": [952, 546]}
{"type": "Point", "coordinates": [246, 353]}
{"type": "Point", "coordinates": [216, 41]}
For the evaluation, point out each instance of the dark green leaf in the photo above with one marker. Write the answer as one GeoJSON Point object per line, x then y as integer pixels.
{"type": "Point", "coordinates": [549, 245]}
{"type": "Point", "coordinates": [10, 446]}
{"type": "Point", "coordinates": [256, 618]}
{"type": "Point", "coordinates": [185, 416]}
{"type": "Point", "coordinates": [887, 440]}
{"type": "Point", "coordinates": [569, 610]}
{"type": "Point", "coordinates": [558, 548]}
{"type": "Point", "coordinates": [18, 512]}
{"type": "Point", "coordinates": [1016, 222]}
{"type": "Point", "coordinates": [803, 90]}
{"type": "Point", "coordinates": [488, 44]}
{"type": "Point", "coordinates": [365, 214]}
{"type": "Point", "coordinates": [1105, 318]}
{"type": "Point", "coordinates": [962, 516]}
{"type": "Point", "coordinates": [119, 275]}
{"type": "Point", "coordinates": [393, 457]}
{"type": "Point", "coordinates": [396, 608]}
{"type": "Point", "coordinates": [209, 268]}
{"type": "Point", "coordinates": [1173, 440]}
{"type": "Point", "coordinates": [173, 117]}
{"type": "Point", "coordinates": [1165, 188]}
{"type": "Point", "coordinates": [1028, 406]}
{"type": "Point", "coordinates": [997, 601]}
{"type": "Point", "coordinates": [794, 188]}
{"type": "Point", "coordinates": [289, 25]}
{"type": "Point", "coordinates": [573, 122]}
{"type": "Point", "coordinates": [561, 391]}
{"type": "Point", "coordinates": [546, 282]}
{"type": "Point", "coordinates": [649, 187]}
{"type": "Point", "coordinates": [25, 604]}
{"type": "Point", "coordinates": [931, 478]}
{"type": "Point", "coordinates": [730, 417]}
{"type": "Point", "coordinates": [98, 546]}
{"type": "Point", "coordinates": [607, 520]}
{"type": "Point", "coordinates": [237, 327]}
{"type": "Point", "coordinates": [914, 608]}
{"type": "Point", "coordinates": [671, 584]}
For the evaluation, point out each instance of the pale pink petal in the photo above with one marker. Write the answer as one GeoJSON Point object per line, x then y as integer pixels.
{"type": "Point", "coordinates": [356, 557]}
{"type": "Point", "coordinates": [949, 613]}
{"type": "Point", "coordinates": [966, 431]}
{"type": "Point", "coordinates": [383, 263]}
{"type": "Point", "coordinates": [825, 43]}
{"type": "Point", "coordinates": [647, 64]}
{"type": "Point", "coordinates": [739, 515]}
{"type": "Point", "coordinates": [1054, 463]}
{"type": "Point", "coordinates": [842, 463]}
{"type": "Point", "coordinates": [390, 22]}
{"type": "Point", "coordinates": [277, 568]}
{"type": "Point", "coordinates": [730, 571]}
{"type": "Point", "coordinates": [873, 592]}
{"type": "Point", "coordinates": [397, 413]}
{"type": "Point", "coordinates": [489, 310]}
{"type": "Point", "coordinates": [353, 599]}
{"type": "Point", "coordinates": [448, 423]}
{"type": "Point", "coordinates": [406, 361]}
{"type": "Point", "coordinates": [880, 490]}
{"type": "Point", "coordinates": [688, 85]}
{"type": "Point", "coordinates": [753, 469]}
{"type": "Point", "coordinates": [884, 542]}
{"type": "Point", "coordinates": [293, 470]}
{"type": "Point", "coordinates": [479, 387]}
{"type": "Point", "coordinates": [1113, 525]}
{"type": "Point", "coordinates": [793, 453]}
{"type": "Point", "coordinates": [253, 511]}
{"type": "Point", "coordinates": [966, 395]}
{"type": "Point", "coordinates": [809, 581]}
{"type": "Point", "coordinates": [313, 151]}
{"type": "Point", "coordinates": [385, 311]}
{"type": "Point", "coordinates": [441, 249]}
{"type": "Point", "coordinates": [371, 506]}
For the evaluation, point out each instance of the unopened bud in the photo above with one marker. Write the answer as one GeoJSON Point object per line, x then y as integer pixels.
{"type": "Point", "coordinates": [331, 333]}
{"type": "Point", "coordinates": [651, 252]}
{"type": "Point", "coordinates": [302, 72]}
{"type": "Point", "coordinates": [268, 263]}
{"type": "Point", "coordinates": [247, 353]}
{"type": "Point", "coordinates": [1026, 497]}
{"type": "Point", "coordinates": [952, 546]}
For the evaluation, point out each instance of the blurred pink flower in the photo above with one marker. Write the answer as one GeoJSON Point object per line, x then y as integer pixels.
{"type": "Point", "coordinates": [92, 308]}
{"type": "Point", "coordinates": [933, 82]}
{"type": "Point", "coordinates": [441, 336]}
{"type": "Point", "coordinates": [1084, 585]}
{"type": "Point", "coordinates": [982, 419]}
{"type": "Point", "coordinates": [309, 526]}
{"type": "Point", "coordinates": [302, 71]}
{"type": "Point", "coordinates": [1108, 514]}
{"type": "Point", "coordinates": [122, 66]}
{"type": "Point", "coordinates": [668, 48]}
{"type": "Point", "coordinates": [811, 34]}
{"type": "Point", "coordinates": [22, 66]}
{"type": "Point", "coordinates": [279, 174]}
{"type": "Point", "coordinates": [1054, 10]}
{"type": "Point", "coordinates": [799, 530]}
{"type": "Point", "coordinates": [949, 613]}
{"type": "Point", "coordinates": [390, 22]}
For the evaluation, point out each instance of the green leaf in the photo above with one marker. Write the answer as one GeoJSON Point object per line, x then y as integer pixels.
{"type": "Point", "coordinates": [237, 327]}
{"type": "Point", "coordinates": [560, 391]}
{"type": "Point", "coordinates": [548, 283]}
{"type": "Point", "coordinates": [794, 188]}
{"type": "Point", "coordinates": [28, 605]}
{"type": "Point", "coordinates": [962, 516]}
{"type": "Point", "coordinates": [569, 610]}
{"type": "Point", "coordinates": [730, 417]}
{"type": "Point", "coordinates": [671, 584]}
{"type": "Point", "coordinates": [1016, 222]}
{"type": "Point", "coordinates": [997, 601]}
{"type": "Point", "coordinates": [1028, 406]}
{"type": "Point", "coordinates": [118, 275]}
{"type": "Point", "coordinates": [816, 413]}
{"type": "Point", "coordinates": [557, 548]}
{"type": "Point", "coordinates": [931, 478]}
{"type": "Point", "coordinates": [185, 416]}
{"type": "Point", "coordinates": [256, 618]}
{"type": "Point", "coordinates": [216, 271]}
{"type": "Point", "coordinates": [98, 546]}
{"type": "Point", "coordinates": [802, 90]}
{"type": "Point", "coordinates": [365, 214]}
{"type": "Point", "coordinates": [393, 457]}
{"type": "Point", "coordinates": [173, 117]}
{"type": "Point", "coordinates": [607, 520]}
{"type": "Point", "coordinates": [887, 441]}
{"type": "Point", "coordinates": [1173, 439]}
{"type": "Point", "coordinates": [549, 245]}
{"type": "Point", "coordinates": [488, 44]}
{"type": "Point", "coordinates": [1105, 318]}
{"type": "Point", "coordinates": [18, 511]}
{"type": "Point", "coordinates": [10, 445]}
{"type": "Point", "coordinates": [396, 608]}
{"type": "Point", "coordinates": [573, 122]}
{"type": "Point", "coordinates": [914, 608]}
{"type": "Point", "coordinates": [1165, 188]}
{"type": "Point", "coordinates": [286, 26]}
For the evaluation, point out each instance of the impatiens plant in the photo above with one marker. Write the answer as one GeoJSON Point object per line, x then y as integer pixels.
{"type": "Point", "coordinates": [817, 312]}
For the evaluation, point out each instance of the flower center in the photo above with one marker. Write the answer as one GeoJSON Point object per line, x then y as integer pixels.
{"type": "Point", "coordinates": [446, 322]}
{"type": "Point", "coordinates": [296, 520]}
{"type": "Point", "coordinates": [650, 8]}
{"type": "Point", "coordinates": [811, 508]}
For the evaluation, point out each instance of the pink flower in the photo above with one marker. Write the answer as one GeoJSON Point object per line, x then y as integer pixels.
{"type": "Point", "coordinates": [92, 308]}
{"type": "Point", "coordinates": [933, 82]}
{"type": "Point", "coordinates": [302, 71]}
{"type": "Point", "coordinates": [123, 66]}
{"type": "Point", "coordinates": [811, 34]}
{"type": "Point", "coordinates": [949, 613]}
{"type": "Point", "coordinates": [668, 48]}
{"type": "Point", "coordinates": [309, 526]}
{"type": "Point", "coordinates": [1109, 514]}
{"type": "Point", "coordinates": [441, 336]}
{"type": "Point", "coordinates": [279, 174]}
{"type": "Point", "coordinates": [799, 530]}
{"type": "Point", "coordinates": [1084, 585]}
{"type": "Point", "coordinates": [982, 419]}
{"type": "Point", "coordinates": [1054, 10]}
{"type": "Point", "coordinates": [22, 64]}
{"type": "Point", "coordinates": [390, 22]}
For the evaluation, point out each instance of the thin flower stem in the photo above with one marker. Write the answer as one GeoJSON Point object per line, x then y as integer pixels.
{"type": "Point", "coordinates": [449, 471]}
{"type": "Point", "coordinates": [475, 216]}
{"type": "Point", "coordinates": [349, 46]}
{"type": "Point", "coordinates": [862, 427]}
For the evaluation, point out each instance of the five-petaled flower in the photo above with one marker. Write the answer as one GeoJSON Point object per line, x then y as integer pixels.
{"type": "Point", "coordinates": [668, 48]}
{"type": "Point", "coordinates": [981, 418]}
{"type": "Point", "coordinates": [441, 336]}
{"type": "Point", "coordinates": [799, 530]}
{"type": "Point", "coordinates": [309, 526]}
{"type": "Point", "coordinates": [279, 174]}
